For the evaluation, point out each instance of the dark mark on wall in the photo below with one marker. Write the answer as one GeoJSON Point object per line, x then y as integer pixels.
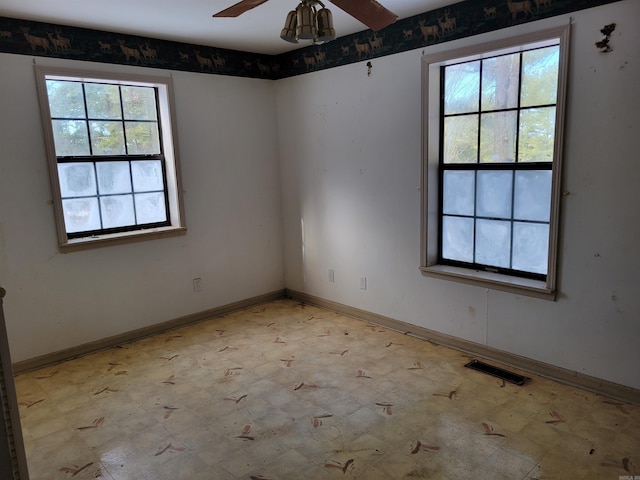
{"type": "Point", "coordinates": [603, 44]}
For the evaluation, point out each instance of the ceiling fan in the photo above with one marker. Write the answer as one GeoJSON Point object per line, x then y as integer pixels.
{"type": "Point", "coordinates": [308, 22]}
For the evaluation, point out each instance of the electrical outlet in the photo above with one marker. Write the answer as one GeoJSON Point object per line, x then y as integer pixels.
{"type": "Point", "coordinates": [363, 283]}
{"type": "Point", "coordinates": [331, 275]}
{"type": "Point", "coordinates": [197, 284]}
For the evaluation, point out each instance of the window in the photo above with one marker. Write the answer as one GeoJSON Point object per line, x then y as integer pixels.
{"type": "Point", "coordinates": [113, 165]}
{"type": "Point", "coordinates": [492, 154]}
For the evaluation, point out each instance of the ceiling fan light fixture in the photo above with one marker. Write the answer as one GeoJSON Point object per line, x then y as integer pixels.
{"type": "Point", "coordinates": [326, 31]}
{"type": "Point", "coordinates": [312, 21]}
{"type": "Point", "coordinates": [288, 33]}
{"type": "Point", "coordinates": [306, 28]}
{"type": "Point", "coordinates": [309, 21]}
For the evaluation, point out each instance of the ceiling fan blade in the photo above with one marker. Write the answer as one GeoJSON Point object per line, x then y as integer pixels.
{"type": "Point", "coordinates": [239, 8]}
{"type": "Point", "coordinates": [369, 12]}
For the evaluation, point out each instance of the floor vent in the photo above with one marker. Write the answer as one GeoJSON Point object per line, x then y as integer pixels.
{"type": "Point", "coordinates": [497, 372]}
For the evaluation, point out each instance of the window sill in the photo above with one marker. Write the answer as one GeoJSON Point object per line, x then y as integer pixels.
{"type": "Point", "coordinates": [120, 238]}
{"type": "Point", "coordinates": [495, 281]}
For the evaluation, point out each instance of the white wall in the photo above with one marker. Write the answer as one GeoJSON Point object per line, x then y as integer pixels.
{"type": "Point", "coordinates": [228, 153]}
{"type": "Point", "coordinates": [349, 149]}
{"type": "Point", "coordinates": [350, 162]}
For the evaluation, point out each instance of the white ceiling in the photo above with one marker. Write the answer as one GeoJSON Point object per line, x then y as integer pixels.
{"type": "Point", "coordinates": [191, 21]}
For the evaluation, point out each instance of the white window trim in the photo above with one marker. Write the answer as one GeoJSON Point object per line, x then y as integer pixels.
{"type": "Point", "coordinates": [170, 149]}
{"type": "Point", "coordinates": [430, 163]}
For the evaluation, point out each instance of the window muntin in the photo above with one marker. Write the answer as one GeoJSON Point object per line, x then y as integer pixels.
{"type": "Point", "coordinates": [111, 148]}
{"type": "Point", "coordinates": [110, 162]}
{"type": "Point", "coordinates": [476, 115]}
{"type": "Point", "coordinates": [497, 140]}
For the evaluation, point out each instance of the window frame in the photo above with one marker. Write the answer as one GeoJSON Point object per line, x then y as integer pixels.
{"type": "Point", "coordinates": [169, 147]}
{"type": "Point", "coordinates": [430, 178]}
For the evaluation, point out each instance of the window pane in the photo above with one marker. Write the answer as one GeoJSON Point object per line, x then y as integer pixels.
{"type": "Point", "coordinates": [150, 208]}
{"type": "Point", "coordinates": [113, 177]}
{"type": "Point", "coordinates": [462, 88]}
{"type": "Point", "coordinates": [107, 138]}
{"type": "Point", "coordinates": [461, 139]}
{"type": "Point", "coordinates": [147, 175]}
{"type": "Point", "coordinates": [81, 214]}
{"type": "Point", "coordinates": [459, 192]}
{"type": "Point", "coordinates": [139, 103]}
{"type": "Point", "coordinates": [117, 211]}
{"type": "Point", "coordinates": [493, 242]}
{"type": "Point", "coordinates": [494, 194]}
{"type": "Point", "coordinates": [491, 120]}
{"type": "Point", "coordinates": [142, 137]}
{"type": "Point", "coordinates": [530, 247]}
{"type": "Point", "coordinates": [103, 101]}
{"type": "Point", "coordinates": [498, 137]}
{"type": "Point", "coordinates": [457, 238]}
{"type": "Point", "coordinates": [76, 179]}
{"type": "Point", "coordinates": [500, 82]}
{"type": "Point", "coordinates": [70, 137]}
{"type": "Point", "coordinates": [65, 99]}
{"type": "Point", "coordinates": [537, 128]}
{"type": "Point", "coordinates": [532, 196]}
{"type": "Point", "coordinates": [109, 166]}
{"type": "Point", "coordinates": [540, 76]}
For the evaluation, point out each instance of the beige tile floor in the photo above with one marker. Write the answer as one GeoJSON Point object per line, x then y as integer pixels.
{"type": "Point", "coordinates": [288, 391]}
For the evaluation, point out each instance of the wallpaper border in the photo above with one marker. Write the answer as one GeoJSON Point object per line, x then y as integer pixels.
{"type": "Point", "coordinates": [463, 19]}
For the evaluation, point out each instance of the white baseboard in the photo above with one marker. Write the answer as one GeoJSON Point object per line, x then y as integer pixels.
{"type": "Point", "coordinates": [133, 335]}
{"type": "Point", "coordinates": [569, 377]}
{"type": "Point", "coordinates": [562, 375]}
